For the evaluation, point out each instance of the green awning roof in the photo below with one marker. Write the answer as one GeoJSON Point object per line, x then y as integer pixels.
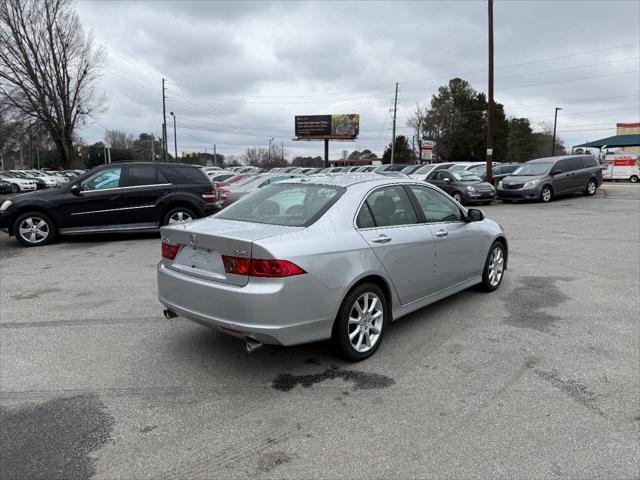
{"type": "Point", "coordinates": [615, 141]}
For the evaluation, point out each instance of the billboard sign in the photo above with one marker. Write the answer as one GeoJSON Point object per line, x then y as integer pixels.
{"type": "Point", "coordinates": [337, 127]}
{"type": "Point", "coordinates": [426, 149]}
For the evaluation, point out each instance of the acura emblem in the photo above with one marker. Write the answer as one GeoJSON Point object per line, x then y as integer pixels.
{"type": "Point", "coordinates": [192, 240]}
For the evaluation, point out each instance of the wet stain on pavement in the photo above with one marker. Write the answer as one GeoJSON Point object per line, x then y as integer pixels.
{"type": "Point", "coordinates": [53, 439]}
{"type": "Point", "coordinates": [361, 380]}
{"type": "Point", "coordinates": [148, 428]}
{"type": "Point", "coordinates": [269, 461]}
{"type": "Point", "coordinates": [34, 294]}
{"type": "Point", "coordinates": [578, 392]}
{"type": "Point", "coordinates": [525, 304]}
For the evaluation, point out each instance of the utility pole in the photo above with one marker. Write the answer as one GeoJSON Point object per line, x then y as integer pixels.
{"type": "Point", "coordinates": [175, 138]}
{"type": "Point", "coordinates": [489, 176]}
{"type": "Point", "coordinates": [153, 149]}
{"type": "Point", "coordinates": [270, 140]}
{"type": "Point", "coordinates": [215, 155]}
{"type": "Point", "coordinates": [164, 124]}
{"type": "Point", "coordinates": [282, 149]}
{"type": "Point", "coordinates": [553, 143]}
{"type": "Point", "coordinates": [393, 135]}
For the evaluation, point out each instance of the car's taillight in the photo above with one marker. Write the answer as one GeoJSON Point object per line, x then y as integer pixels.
{"type": "Point", "coordinates": [255, 267]}
{"type": "Point", "coordinates": [211, 196]}
{"type": "Point", "coordinates": [223, 193]}
{"type": "Point", "coordinates": [169, 251]}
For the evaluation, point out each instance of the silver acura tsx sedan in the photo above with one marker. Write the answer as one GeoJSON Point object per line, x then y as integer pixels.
{"type": "Point", "coordinates": [327, 257]}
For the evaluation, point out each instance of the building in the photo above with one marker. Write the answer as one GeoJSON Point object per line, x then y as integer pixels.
{"type": "Point", "coordinates": [628, 129]}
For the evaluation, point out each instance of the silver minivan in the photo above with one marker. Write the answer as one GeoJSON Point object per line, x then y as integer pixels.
{"type": "Point", "coordinates": [544, 178]}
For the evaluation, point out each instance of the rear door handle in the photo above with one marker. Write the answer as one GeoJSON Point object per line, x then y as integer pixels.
{"type": "Point", "coordinates": [382, 239]}
{"type": "Point", "coordinates": [442, 234]}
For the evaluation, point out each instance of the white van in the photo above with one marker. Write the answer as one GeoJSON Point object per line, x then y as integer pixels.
{"type": "Point", "coordinates": [621, 167]}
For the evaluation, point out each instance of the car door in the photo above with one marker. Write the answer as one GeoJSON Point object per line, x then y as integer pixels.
{"type": "Point", "coordinates": [562, 177]}
{"type": "Point", "coordinates": [437, 178]}
{"type": "Point", "coordinates": [98, 204]}
{"type": "Point", "coordinates": [388, 222]}
{"type": "Point", "coordinates": [459, 244]}
{"type": "Point", "coordinates": [145, 186]}
{"type": "Point", "coordinates": [579, 174]}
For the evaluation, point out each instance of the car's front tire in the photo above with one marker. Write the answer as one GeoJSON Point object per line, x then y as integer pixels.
{"type": "Point", "coordinates": [457, 196]}
{"type": "Point", "coordinates": [592, 186]}
{"type": "Point", "coordinates": [361, 322]}
{"type": "Point", "coordinates": [546, 194]}
{"type": "Point", "coordinates": [178, 215]}
{"type": "Point", "coordinates": [494, 267]}
{"type": "Point", "coordinates": [15, 188]}
{"type": "Point", "coordinates": [634, 179]}
{"type": "Point", "coordinates": [34, 229]}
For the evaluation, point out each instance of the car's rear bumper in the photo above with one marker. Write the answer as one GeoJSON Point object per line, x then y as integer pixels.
{"type": "Point", "coordinates": [284, 311]}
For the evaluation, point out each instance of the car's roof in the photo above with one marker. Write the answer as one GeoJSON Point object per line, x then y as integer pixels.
{"type": "Point", "coordinates": [553, 159]}
{"type": "Point", "coordinates": [348, 179]}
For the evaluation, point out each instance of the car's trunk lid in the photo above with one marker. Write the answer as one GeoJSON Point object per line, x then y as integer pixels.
{"type": "Point", "coordinates": [204, 242]}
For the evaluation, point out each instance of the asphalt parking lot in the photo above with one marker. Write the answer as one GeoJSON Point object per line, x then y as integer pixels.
{"type": "Point", "coordinates": [537, 380]}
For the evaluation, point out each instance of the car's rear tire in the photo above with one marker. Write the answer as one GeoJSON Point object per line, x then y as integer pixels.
{"type": "Point", "coordinates": [178, 215]}
{"type": "Point", "coordinates": [546, 194]}
{"type": "Point", "coordinates": [592, 186]}
{"type": "Point", "coordinates": [15, 188]}
{"type": "Point", "coordinates": [361, 322]}
{"type": "Point", "coordinates": [494, 267]}
{"type": "Point", "coordinates": [457, 196]}
{"type": "Point", "coordinates": [34, 229]}
{"type": "Point", "coordinates": [634, 179]}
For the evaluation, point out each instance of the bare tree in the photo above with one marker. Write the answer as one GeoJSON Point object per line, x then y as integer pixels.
{"type": "Point", "coordinates": [118, 139]}
{"type": "Point", "coordinates": [48, 67]}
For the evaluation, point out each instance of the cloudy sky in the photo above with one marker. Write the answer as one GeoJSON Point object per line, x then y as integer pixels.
{"type": "Point", "coordinates": [238, 72]}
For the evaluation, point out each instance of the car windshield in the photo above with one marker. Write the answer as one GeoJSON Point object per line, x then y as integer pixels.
{"type": "Point", "coordinates": [425, 170]}
{"type": "Point", "coordinates": [538, 168]}
{"type": "Point", "coordinates": [462, 166]}
{"type": "Point", "coordinates": [289, 204]}
{"type": "Point", "coordinates": [465, 177]}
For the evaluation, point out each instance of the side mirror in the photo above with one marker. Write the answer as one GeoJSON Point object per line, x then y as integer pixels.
{"type": "Point", "coordinates": [556, 171]}
{"type": "Point", "coordinates": [475, 215]}
{"type": "Point", "coordinates": [75, 189]}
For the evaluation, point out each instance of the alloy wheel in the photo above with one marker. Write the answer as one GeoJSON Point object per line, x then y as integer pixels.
{"type": "Point", "coordinates": [457, 197]}
{"type": "Point", "coordinates": [366, 318]}
{"type": "Point", "coordinates": [496, 266]}
{"type": "Point", "coordinates": [34, 230]}
{"type": "Point", "coordinates": [546, 194]}
{"type": "Point", "coordinates": [180, 217]}
{"type": "Point", "coordinates": [591, 187]}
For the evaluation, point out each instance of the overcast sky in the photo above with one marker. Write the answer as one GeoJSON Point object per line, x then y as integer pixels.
{"type": "Point", "coordinates": [238, 72]}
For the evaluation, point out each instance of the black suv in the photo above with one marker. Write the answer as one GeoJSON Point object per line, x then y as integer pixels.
{"type": "Point", "coordinates": [118, 197]}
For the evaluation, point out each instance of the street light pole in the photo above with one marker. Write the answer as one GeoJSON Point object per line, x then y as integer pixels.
{"type": "Point", "coordinates": [489, 157]}
{"type": "Point", "coordinates": [555, 123]}
{"type": "Point", "coordinates": [175, 137]}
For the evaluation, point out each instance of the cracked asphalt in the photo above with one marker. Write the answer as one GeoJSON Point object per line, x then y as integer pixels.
{"type": "Point", "coordinates": [537, 380]}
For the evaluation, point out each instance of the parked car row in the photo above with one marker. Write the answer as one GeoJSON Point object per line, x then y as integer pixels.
{"type": "Point", "coordinates": [29, 180]}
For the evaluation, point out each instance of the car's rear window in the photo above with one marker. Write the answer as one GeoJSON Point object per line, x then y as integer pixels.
{"type": "Point", "coordinates": [290, 204]}
{"type": "Point", "coordinates": [185, 175]}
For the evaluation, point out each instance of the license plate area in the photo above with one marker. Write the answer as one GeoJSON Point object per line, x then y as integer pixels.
{"type": "Point", "coordinates": [200, 261]}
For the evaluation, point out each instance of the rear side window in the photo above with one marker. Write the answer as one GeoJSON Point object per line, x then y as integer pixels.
{"type": "Point", "coordinates": [573, 164]}
{"type": "Point", "coordinates": [390, 206]}
{"type": "Point", "coordinates": [287, 204]}
{"type": "Point", "coordinates": [561, 166]}
{"type": "Point", "coordinates": [145, 175]}
{"type": "Point", "coordinates": [365, 220]}
{"type": "Point", "coordinates": [185, 175]}
{"type": "Point", "coordinates": [588, 162]}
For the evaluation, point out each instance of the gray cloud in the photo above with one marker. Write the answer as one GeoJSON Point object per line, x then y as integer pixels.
{"type": "Point", "coordinates": [239, 71]}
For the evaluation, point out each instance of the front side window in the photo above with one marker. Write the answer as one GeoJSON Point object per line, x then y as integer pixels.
{"type": "Point", "coordinates": [390, 206]}
{"type": "Point", "coordinates": [287, 204]}
{"type": "Point", "coordinates": [588, 162]}
{"type": "Point", "coordinates": [435, 206]}
{"type": "Point", "coordinates": [104, 179]}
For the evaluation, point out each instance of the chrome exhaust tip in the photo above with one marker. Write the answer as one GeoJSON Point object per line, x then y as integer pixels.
{"type": "Point", "coordinates": [169, 314]}
{"type": "Point", "coordinates": [251, 345]}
